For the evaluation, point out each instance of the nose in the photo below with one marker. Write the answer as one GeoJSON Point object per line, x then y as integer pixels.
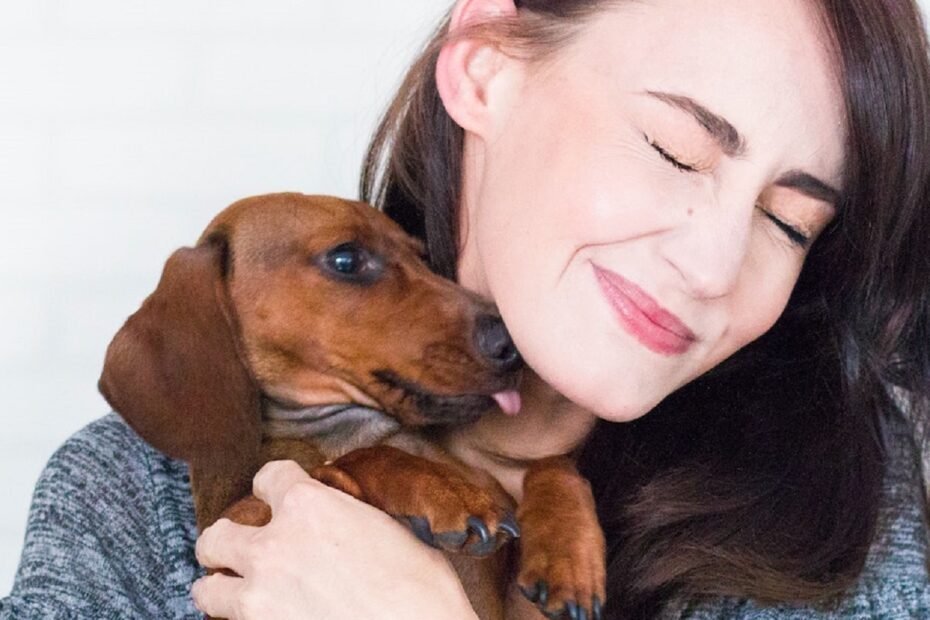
{"type": "Point", "coordinates": [710, 251]}
{"type": "Point", "coordinates": [494, 343]}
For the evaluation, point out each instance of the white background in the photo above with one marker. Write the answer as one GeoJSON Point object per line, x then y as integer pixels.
{"type": "Point", "coordinates": [124, 126]}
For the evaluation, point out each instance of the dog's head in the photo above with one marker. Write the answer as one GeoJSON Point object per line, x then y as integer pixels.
{"type": "Point", "coordinates": [305, 300]}
{"type": "Point", "coordinates": [335, 304]}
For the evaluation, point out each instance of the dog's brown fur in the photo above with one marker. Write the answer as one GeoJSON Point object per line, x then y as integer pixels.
{"type": "Point", "coordinates": [250, 319]}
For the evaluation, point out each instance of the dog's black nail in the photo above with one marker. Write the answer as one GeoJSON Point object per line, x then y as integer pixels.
{"type": "Point", "coordinates": [543, 593]}
{"type": "Point", "coordinates": [572, 608]}
{"type": "Point", "coordinates": [486, 544]}
{"type": "Point", "coordinates": [422, 530]}
{"type": "Point", "coordinates": [531, 593]}
{"type": "Point", "coordinates": [582, 613]}
{"type": "Point", "coordinates": [451, 540]}
{"type": "Point", "coordinates": [509, 526]}
{"type": "Point", "coordinates": [597, 608]}
{"type": "Point", "coordinates": [479, 527]}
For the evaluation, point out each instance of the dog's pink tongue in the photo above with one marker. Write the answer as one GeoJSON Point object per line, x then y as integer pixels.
{"type": "Point", "coordinates": [508, 401]}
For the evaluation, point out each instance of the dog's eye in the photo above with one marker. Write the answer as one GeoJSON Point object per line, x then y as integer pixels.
{"type": "Point", "coordinates": [349, 261]}
{"type": "Point", "coordinates": [346, 259]}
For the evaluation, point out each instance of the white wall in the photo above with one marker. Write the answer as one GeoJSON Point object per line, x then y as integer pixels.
{"type": "Point", "coordinates": [124, 126]}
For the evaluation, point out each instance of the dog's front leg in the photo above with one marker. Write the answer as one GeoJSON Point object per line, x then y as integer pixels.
{"type": "Point", "coordinates": [562, 548]}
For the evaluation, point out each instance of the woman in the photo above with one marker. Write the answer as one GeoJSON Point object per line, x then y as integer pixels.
{"type": "Point", "coordinates": [707, 212]}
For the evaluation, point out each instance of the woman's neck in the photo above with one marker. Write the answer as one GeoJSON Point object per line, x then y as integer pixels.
{"type": "Point", "coordinates": [548, 424]}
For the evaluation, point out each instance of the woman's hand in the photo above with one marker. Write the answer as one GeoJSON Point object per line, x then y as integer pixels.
{"type": "Point", "coordinates": [323, 555]}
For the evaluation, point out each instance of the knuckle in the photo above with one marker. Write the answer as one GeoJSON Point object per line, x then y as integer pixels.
{"type": "Point", "coordinates": [200, 591]}
{"type": "Point", "coordinates": [275, 468]}
{"type": "Point", "coordinates": [212, 539]}
{"type": "Point", "coordinates": [197, 592]}
{"type": "Point", "coordinates": [203, 548]}
{"type": "Point", "coordinates": [261, 549]}
{"type": "Point", "coordinates": [300, 496]}
{"type": "Point", "coordinates": [250, 604]}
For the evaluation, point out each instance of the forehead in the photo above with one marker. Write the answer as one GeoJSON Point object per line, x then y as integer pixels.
{"type": "Point", "coordinates": [765, 65]}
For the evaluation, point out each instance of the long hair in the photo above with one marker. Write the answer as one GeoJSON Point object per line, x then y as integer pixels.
{"type": "Point", "coordinates": [762, 478]}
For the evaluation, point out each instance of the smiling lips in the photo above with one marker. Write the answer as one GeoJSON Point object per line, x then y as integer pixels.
{"type": "Point", "coordinates": [655, 327]}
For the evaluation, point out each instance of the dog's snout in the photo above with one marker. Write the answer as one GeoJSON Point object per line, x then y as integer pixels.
{"type": "Point", "coordinates": [494, 343]}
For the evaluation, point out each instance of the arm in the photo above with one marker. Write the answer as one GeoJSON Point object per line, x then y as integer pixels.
{"type": "Point", "coordinates": [110, 533]}
{"type": "Point", "coordinates": [324, 554]}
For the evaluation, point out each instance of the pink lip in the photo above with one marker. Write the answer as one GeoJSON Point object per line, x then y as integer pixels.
{"type": "Point", "coordinates": [655, 327]}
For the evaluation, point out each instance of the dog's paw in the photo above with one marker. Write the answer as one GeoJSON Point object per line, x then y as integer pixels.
{"type": "Point", "coordinates": [564, 576]}
{"type": "Point", "coordinates": [463, 518]}
{"type": "Point", "coordinates": [562, 605]}
{"type": "Point", "coordinates": [562, 550]}
{"type": "Point", "coordinates": [441, 507]}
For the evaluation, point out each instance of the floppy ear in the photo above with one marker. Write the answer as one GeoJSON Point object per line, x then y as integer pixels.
{"type": "Point", "coordinates": [174, 373]}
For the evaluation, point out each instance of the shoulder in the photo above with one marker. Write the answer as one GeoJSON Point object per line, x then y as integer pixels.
{"type": "Point", "coordinates": [894, 582]}
{"type": "Point", "coordinates": [107, 469]}
{"type": "Point", "coordinates": [110, 518]}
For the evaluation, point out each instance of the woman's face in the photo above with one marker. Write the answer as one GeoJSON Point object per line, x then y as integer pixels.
{"type": "Point", "coordinates": [641, 206]}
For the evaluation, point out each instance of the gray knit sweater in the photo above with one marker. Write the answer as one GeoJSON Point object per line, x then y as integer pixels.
{"type": "Point", "coordinates": [111, 535]}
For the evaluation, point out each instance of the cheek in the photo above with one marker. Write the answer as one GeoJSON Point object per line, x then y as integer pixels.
{"type": "Point", "coordinates": [544, 197]}
{"type": "Point", "coordinates": [758, 302]}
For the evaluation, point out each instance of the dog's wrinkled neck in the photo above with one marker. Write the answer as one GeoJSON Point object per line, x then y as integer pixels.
{"type": "Point", "coordinates": [335, 429]}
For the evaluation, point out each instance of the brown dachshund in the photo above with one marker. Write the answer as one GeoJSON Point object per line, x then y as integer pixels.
{"type": "Point", "coordinates": [308, 328]}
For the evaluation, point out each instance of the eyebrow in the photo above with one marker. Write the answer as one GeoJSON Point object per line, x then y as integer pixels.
{"type": "Point", "coordinates": [734, 145]}
{"type": "Point", "coordinates": [809, 186]}
{"type": "Point", "coordinates": [718, 127]}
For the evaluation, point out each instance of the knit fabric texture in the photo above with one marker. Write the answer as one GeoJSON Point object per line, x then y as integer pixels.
{"type": "Point", "coordinates": [111, 535]}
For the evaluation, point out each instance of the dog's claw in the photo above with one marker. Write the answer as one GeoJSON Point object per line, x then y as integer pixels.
{"type": "Point", "coordinates": [596, 608]}
{"type": "Point", "coordinates": [531, 594]}
{"type": "Point", "coordinates": [487, 544]}
{"type": "Point", "coordinates": [572, 608]}
{"type": "Point", "coordinates": [421, 529]}
{"type": "Point", "coordinates": [543, 594]}
{"type": "Point", "coordinates": [479, 527]}
{"type": "Point", "coordinates": [509, 526]}
{"type": "Point", "coordinates": [582, 613]}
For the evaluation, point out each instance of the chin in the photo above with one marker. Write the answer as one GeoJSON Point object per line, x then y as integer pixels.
{"type": "Point", "coordinates": [614, 410]}
{"type": "Point", "coordinates": [606, 399]}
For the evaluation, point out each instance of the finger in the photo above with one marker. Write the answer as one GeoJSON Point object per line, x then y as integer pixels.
{"type": "Point", "coordinates": [225, 545]}
{"type": "Point", "coordinates": [218, 595]}
{"type": "Point", "coordinates": [273, 481]}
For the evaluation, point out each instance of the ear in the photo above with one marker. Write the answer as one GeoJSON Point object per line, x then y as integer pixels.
{"type": "Point", "coordinates": [467, 67]}
{"type": "Point", "coordinates": [174, 372]}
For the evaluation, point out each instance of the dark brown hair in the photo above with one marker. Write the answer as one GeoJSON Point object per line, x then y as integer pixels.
{"type": "Point", "coordinates": [762, 478]}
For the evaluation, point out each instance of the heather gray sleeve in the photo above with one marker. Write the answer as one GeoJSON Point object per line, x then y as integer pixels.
{"type": "Point", "coordinates": [110, 533]}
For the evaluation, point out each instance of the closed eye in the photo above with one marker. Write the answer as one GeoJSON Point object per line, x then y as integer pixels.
{"type": "Point", "coordinates": [683, 167]}
{"type": "Point", "coordinates": [794, 235]}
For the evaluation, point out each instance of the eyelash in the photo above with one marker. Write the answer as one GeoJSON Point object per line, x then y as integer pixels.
{"type": "Point", "coordinates": [668, 157]}
{"type": "Point", "coordinates": [794, 235]}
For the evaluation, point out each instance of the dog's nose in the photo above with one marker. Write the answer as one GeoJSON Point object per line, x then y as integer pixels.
{"type": "Point", "coordinates": [494, 343]}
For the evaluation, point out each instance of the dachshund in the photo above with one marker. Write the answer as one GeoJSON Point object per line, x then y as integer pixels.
{"type": "Point", "coordinates": [309, 328]}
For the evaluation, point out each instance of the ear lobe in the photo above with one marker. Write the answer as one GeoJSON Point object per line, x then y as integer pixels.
{"type": "Point", "coordinates": [466, 66]}
{"type": "Point", "coordinates": [173, 371]}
